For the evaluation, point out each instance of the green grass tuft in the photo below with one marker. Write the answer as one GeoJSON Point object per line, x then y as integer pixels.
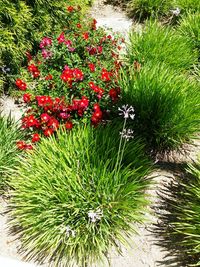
{"type": "Point", "coordinates": [190, 27]}
{"type": "Point", "coordinates": [63, 180]}
{"type": "Point", "coordinates": [166, 105]}
{"type": "Point", "coordinates": [161, 44]}
{"type": "Point", "coordinates": [9, 134]}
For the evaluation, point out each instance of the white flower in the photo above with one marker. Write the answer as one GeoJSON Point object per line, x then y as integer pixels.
{"type": "Point", "coordinates": [176, 11]}
{"type": "Point", "coordinates": [127, 112]}
{"type": "Point", "coordinates": [69, 231]}
{"type": "Point", "coordinates": [127, 134]}
{"type": "Point", "coordinates": [95, 215]}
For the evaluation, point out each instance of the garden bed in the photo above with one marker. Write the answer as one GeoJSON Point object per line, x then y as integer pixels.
{"type": "Point", "coordinates": [145, 249]}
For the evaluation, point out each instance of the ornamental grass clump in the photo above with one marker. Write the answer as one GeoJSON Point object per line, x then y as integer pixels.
{"type": "Point", "coordinates": [69, 204]}
{"type": "Point", "coordinates": [9, 135]}
{"type": "Point", "coordinates": [179, 227]}
{"type": "Point", "coordinates": [189, 27]}
{"type": "Point", "coordinates": [166, 104]}
{"type": "Point", "coordinates": [143, 9]}
{"type": "Point", "coordinates": [169, 10]}
{"type": "Point", "coordinates": [158, 44]}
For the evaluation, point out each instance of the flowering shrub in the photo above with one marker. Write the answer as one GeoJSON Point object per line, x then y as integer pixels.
{"type": "Point", "coordinates": [73, 77]}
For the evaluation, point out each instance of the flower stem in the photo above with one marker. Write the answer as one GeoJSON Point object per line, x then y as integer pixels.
{"type": "Point", "coordinates": [119, 149]}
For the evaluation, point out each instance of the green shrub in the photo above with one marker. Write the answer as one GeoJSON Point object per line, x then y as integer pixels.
{"type": "Point", "coordinates": [22, 24]}
{"type": "Point", "coordinates": [161, 44]}
{"type": "Point", "coordinates": [9, 135]}
{"type": "Point", "coordinates": [180, 224]}
{"type": "Point", "coordinates": [166, 105]}
{"type": "Point", "coordinates": [68, 202]}
{"type": "Point", "coordinates": [189, 27]}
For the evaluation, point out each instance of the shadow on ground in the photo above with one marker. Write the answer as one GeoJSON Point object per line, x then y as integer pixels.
{"type": "Point", "coordinates": [172, 202]}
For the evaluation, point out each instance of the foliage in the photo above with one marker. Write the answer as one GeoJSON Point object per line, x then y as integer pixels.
{"type": "Point", "coordinates": [142, 9]}
{"type": "Point", "coordinates": [9, 135]}
{"type": "Point", "coordinates": [189, 26]}
{"type": "Point", "coordinates": [188, 5]}
{"type": "Point", "coordinates": [73, 77]}
{"type": "Point", "coordinates": [166, 105]}
{"type": "Point", "coordinates": [161, 44]}
{"type": "Point", "coordinates": [22, 24]}
{"type": "Point", "coordinates": [171, 9]}
{"type": "Point", "coordinates": [69, 203]}
{"type": "Point", "coordinates": [180, 224]}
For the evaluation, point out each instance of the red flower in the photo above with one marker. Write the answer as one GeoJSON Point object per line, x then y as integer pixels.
{"type": "Point", "coordinates": [92, 67]}
{"type": "Point", "coordinates": [92, 85]}
{"type": "Point", "coordinates": [29, 147]}
{"type": "Point", "coordinates": [45, 117]}
{"type": "Point", "coordinates": [69, 125]}
{"type": "Point", "coordinates": [30, 121]}
{"type": "Point", "coordinates": [106, 75]}
{"type": "Point", "coordinates": [100, 49]}
{"type": "Point", "coordinates": [78, 74]}
{"type": "Point", "coordinates": [70, 8]}
{"type": "Point", "coordinates": [32, 68]}
{"type": "Point", "coordinates": [36, 74]}
{"type": "Point", "coordinates": [61, 38]}
{"type": "Point", "coordinates": [27, 98]}
{"type": "Point", "coordinates": [35, 138]}
{"type": "Point", "coordinates": [85, 35]}
{"type": "Point", "coordinates": [44, 101]}
{"type": "Point", "coordinates": [98, 114]}
{"type": "Point", "coordinates": [79, 25]}
{"type": "Point", "coordinates": [20, 84]}
{"type": "Point", "coordinates": [53, 123]}
{"type": "Point", "coordinates": [48, 132]}
{"type": "Point", "coordinates": [114, 94]}
{"type": "Point", "coordinates": [48, 77]}
{"type": "Point", "coordinates": [96, 107]}
{"type": "Point", "coordinates": [21, 145]}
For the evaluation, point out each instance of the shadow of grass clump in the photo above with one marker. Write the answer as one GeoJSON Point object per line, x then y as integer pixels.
{"type": "Point", "coordinates": [178, 212]}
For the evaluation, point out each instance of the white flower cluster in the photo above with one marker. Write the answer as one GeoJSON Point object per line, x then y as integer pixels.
{"type": "Point", "coordinates": [127, 112]}
{"type": "Point", "coordinates": [95, 215]}
{"type": "Point", "coordinates": [176, 11]}
{"type": "Point", "coordinates": [70, 232]}
{"type": "Point", "coordinates": [127, 134]}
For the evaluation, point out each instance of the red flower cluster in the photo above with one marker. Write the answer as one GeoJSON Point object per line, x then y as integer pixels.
{"type": "Point", "coordinates": [86, 89]}
{"type": "Point", "coordinates": [20, 84]}
{"type": "Point", "coordinates": [97, 114]}
{"type": "Point", "coordinates": [96, 89]}
{"type": "Point", "coordinates": [69, 75]}
{"type": "Point", "coordinates": [23, 145]}
{"type": "Point", "coordinates": [33, 69]}
{"type": "Point", "coordinates": [114, 94]}
{"type": "Point", "coordinates": [106, 75]}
